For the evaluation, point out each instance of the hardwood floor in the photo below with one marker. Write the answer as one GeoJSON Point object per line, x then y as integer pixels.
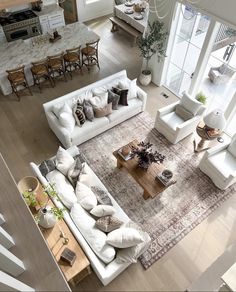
{"type": "Point", "coordinates": [25, 137]}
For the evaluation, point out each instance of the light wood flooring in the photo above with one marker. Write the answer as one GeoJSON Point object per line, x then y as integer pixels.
{"type": "Point", "coordinates": [25, 137]}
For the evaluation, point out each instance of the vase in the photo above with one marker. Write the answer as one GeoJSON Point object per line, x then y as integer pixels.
{"type": "Point", "coordinates": [46, 218]}
{"type": "Point", "coordinates": [145, 77]}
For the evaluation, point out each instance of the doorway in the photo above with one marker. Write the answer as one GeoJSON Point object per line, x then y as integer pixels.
{"type": "Point", "coordinates": [70, 10]}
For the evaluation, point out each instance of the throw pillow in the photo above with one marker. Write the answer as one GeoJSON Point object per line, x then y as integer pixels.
{"type": "Point", "coordinates": [103, 111]}
{"type": "Point", "coordinates": [74, 171]}
{"type": "Point", "coordinates": [88, 110]}
{"type": "Point", "coordinates": [46, 166]}
{"type": "Point", "coordinates": [123, 93]}
{"type": "Point", "coordinates": [183, 113]}
{"type": "Point", "coordinates": [190, 104]}
{"type": "Point", "coordinates": [79, 114]}
{"type": "Point", "coordinates": [124, 237]}
{"type": "Point", "coordinates": [114, 99]}
{"type": "Point", "coordinates": [124, 83]}
{"type": "Point", "coordinates": [103, 210]}
{"type": "Point", "coordinates": [85, 196]}
{"type": "Point", "coordinates": [101, 195]}
{"type": "Point", "coordinates": [132, 89]}
{"type": "Point", "coordinates": [99, 101]}
{"type": "Point", "coordinates": [66, 118]}
{"type": "Point", "coordinates": [108, 223]}
{"type": "Point", "coordinates": [99, 91]}
{"type": "Point", "coordinates": [63, 160]}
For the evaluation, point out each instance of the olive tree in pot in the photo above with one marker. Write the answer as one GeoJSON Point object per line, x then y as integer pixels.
{"type": "Point", "coordinates": [152, 42]}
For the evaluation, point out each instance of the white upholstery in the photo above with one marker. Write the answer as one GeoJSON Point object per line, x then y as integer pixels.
{"type": "Point", "coordinates": [219, 163]}
{"type": "Point", "coordinates": [105, 272]}
{"type": "Point", "coordinates": [90, 130]}
{"type": "Point", "coordinates": [173, 127]}
{"type": "Point", "coordinates": [221, 74]}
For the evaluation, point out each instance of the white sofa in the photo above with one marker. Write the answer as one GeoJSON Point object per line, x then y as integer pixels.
{"type": "Point", "coordinates": [105, 272]}
{"type": "Point", "coordinates": [98, 125]}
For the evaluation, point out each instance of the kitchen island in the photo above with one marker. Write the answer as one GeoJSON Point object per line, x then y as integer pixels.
{"type": "Point", "coordinates": [23, 52]}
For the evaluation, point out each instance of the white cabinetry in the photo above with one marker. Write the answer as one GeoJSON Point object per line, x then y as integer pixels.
{"type": "Point", "coordinates": [52, 21]}
{"type": "Point", "coordinates": [2, 35]}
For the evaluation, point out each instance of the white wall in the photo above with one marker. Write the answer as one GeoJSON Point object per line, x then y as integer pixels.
{"type": "Point", "coordinates": [94, 9]}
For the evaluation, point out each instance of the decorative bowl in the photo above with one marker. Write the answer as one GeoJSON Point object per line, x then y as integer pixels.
{"type": "Point", "coordinates": [168, 174]}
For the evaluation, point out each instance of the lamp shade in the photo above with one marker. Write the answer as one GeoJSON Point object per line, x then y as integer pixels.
{"type": "Point", "coordinates": [215, 120]}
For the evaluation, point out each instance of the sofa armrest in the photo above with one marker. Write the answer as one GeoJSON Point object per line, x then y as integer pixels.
{"type": "Point", "coordinates": [167, 109]}
{"type": "Point", "coordinates": [216, 149]}
{"type": "Point", "coordinates": [141, 94]}
{"type": "Point", "coordinates": [38, 174]}
{"type": "Point", "coordinates": [62, 134]}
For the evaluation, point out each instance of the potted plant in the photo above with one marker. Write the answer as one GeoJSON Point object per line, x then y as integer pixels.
{"type": "Point", "coordinates": [145, 155]}
{"type": "Point", "coordinates": [201, 97]}
{"type": "Point", "coordinates": [152, 42]}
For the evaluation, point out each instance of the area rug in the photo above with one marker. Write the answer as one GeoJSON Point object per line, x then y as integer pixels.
{"type": "Point", "coordinates": [174, 213]}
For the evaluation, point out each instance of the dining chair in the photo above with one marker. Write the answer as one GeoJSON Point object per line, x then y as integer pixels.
{"type": "Point", "coordinates": [90, 55]}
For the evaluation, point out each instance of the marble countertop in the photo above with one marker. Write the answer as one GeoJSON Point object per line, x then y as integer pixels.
{"type": "Point", "coordinates": [23, 52]}
{"type": "Point", "coordinates": [49, 9]}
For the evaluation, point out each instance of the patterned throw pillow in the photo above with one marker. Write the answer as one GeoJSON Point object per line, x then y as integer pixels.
{"type": "Point", "coordinates": [88, 110]}
{"type": "Point", "coordinates": [74, 171]}
{"type": "Point", "coordinates": [79, 115]}
{"type": "Point", "coordinates": [102, 196]}
{"type": "Point", "coordinates": [108, 223]}
{"type": "Point", "coordinates": [104, 111]}
{"type": "Point", "coordinates": [47, 166]}
{"type": "Point", "coordinates": [114, 99]}
{"type": "Point", "coordinates": [123, 93]}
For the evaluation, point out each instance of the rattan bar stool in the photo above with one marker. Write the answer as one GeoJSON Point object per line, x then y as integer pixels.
{"type": "Point", "coordinates": [40, 71]}
{"type": "Point", "coordinates": [90, 55]}
{"type": "Point", "coordinates": [72, 60]}
{"type": "Point", "coordinates": [56, 66]}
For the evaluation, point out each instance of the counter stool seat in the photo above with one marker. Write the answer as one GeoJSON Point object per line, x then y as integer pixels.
{"type": "Point", "coordinates": [39, 70]}
{"type": "Point", "coordinates": [72, 60]}
{"type": "Point", "coordinates": [90, 55]}
{"type": "Point", "coordinates": [56, 65]}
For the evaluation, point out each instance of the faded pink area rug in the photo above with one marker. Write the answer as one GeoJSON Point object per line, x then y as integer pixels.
{"type": "Point", "coordinates": [174, 213]}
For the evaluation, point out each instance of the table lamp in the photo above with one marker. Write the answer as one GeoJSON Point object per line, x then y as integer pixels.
{"type": "Point", "coordinates": [215, 120]}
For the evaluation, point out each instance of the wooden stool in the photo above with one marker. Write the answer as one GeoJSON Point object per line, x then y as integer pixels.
{"type": "Point", "coordinates": [40, 70]}
{"type": "Point", "coordinates": [17, 78]}
{"type": "Point", "coordinates": [72, 59]}
{"type": "Point", "coordinates": [90, 55]}
{"type": "Point", "coordinates": [56, 65]}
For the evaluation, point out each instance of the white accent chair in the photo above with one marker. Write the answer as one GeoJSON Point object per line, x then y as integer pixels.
{"type": "Point", "coordinates": [174, 124]}
{"type": "Point", "coordinates": [221, 74]}
{"type": "Point", "coordinates": [219, 163]}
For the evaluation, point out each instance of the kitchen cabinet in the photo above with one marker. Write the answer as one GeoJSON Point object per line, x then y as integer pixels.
{"type": "Point", "coordinates": [51, 20]}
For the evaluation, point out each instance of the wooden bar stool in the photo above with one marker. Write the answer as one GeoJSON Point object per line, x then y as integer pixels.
{"type": "Point", "coordinates": [56, 66]}
{"type": "Point", "coordinates": [90, 55]}
{"type": "Point", "coordinates": [17, 79]}
{"type": "Point", "coordinates": [72, 60]}
{"type": "Point", "coordinates": [40, 71]}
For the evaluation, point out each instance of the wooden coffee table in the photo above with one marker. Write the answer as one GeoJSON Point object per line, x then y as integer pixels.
{"type": "Point", "coordinates": [146, 179]}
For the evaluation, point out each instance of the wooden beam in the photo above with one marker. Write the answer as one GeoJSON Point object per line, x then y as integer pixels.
{"type": "Point", "coordinates": [8, 283]}
{"type": "Point", "coordinates": [5, 239]}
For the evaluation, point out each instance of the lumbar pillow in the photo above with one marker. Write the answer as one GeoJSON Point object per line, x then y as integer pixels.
{"type": "Point", "coordinates": [108, 223]}
{"type": "Point", "coordinates": [124, 237]}
{"type": "Point", "coordinates": [74, 171]}
{"type": "Point", "coordinates": [103, 111]}
{"type": "Point", "coordinates": [99, 101]}
{"type": "Point", "coordinates": [88, 110]}
{"type": "Point", "coordinates": [190, 104]}
{"type": "Point", "coordinates": [183, 113]}
{"type": "Point", "coordinates": [102, 196]}
{"type": "Point", "coordinates": [63, 187]}
{"type": "Point", "coordinates": [123, 93]}
{"type": "Point", "coordinates": [63, 160]}
{"type": "Point", "coordinates": [85, 196]}
{"type": "Point", "coordinates": [103, 210]}
{"type": "Point", "coordinates": [114, 99]}
{"type": "Point", "coordinates": [79, 114]}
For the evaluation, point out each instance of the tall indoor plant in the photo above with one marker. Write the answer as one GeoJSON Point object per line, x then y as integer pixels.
{"type": "Point", "coordinates": [152, 42]}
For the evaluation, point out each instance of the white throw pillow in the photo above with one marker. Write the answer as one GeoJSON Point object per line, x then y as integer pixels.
{"type": "Point", "coordinates": [99, 101]}
{"type": "Point", "coordinates": [99, 90]}
{"type": "Point", "coordinates": [85, 196]}
{"type": "Point", "coordinates": [63, 187]}
{"type": "Point", "coordinates": [63, 160]}
{"type": "Point", "coordinates": [190, 104]}
{"type": "Point", "coordinates": [67, 121]}
{"type": "Point", "coordinates": [103, 210]}
{"type": "Point", "coordinates": [124, 83]}
{"type": "Point", "coordinates": [95, 237]}
{"type": "Point", "coordinates": [124, 237]}
{"type": "Point", "coordinates": [57, 108]}
{"type": "Point", "coordinates": [86, 176]}
{"type": "Point", "coordinates": [131, 85]}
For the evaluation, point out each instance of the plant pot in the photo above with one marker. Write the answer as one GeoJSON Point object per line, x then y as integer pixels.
{"type": "Point", "coordinates": [145, 77]}
{"type": "Point", "coordinates": [46, 218]}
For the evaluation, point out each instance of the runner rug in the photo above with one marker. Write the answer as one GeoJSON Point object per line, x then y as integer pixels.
{"type": "Point", "coordinates": [174, 213]}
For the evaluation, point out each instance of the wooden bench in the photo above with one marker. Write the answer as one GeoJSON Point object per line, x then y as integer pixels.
{"type": "Point", "coordinates": [119, 23]}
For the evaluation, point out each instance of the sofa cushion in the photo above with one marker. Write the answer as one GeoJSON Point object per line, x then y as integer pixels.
{"type": "Point", "coordinates": [183, 113]}
{"type": "Point", "coordinates": [123, 93]}
{"type": "Point", "coordinates": [78, 114]}
{"type": "Point", "coordinates": [108, 223]}
{"type": "Point", "coordinates": [103, 210]}
{"type": "Point", "coordinates": [114, 98]}
{"type": "Point", "coordinates": [63, 187]}
{"type": "Point", "coordinates": [95, 237]}
{"type": "Point", "coordinates": [190, 104]}
{"type": "Point", "coordinates": [85, 196]}
{"type": "Point", "coordinates": [131, 85]}
{"type": "Point", "coordinates": [99, 101]}
{"type": "Point", "coordinates": [103, 111]}
{"type": "Point", "coordinates": [99, 91]}
{"type": "Point", "coordinates": [88, 110]}
{"type": "Point", "coordinates": [124, 237]}
{"type": "Point", "coordinates": [74, 171]}
{"type": "Point", "coordinates": [172, 120]}
{"type": "Point", "coordinates": [88, 126]}
{"type": "Point", "coordinates": [66, 118]}
{"type": "Point", "coordinates": [134, 104]}
{"type": "Point", "coordinates": [224, 162]}
{"type": "Point", "coordinates": [63, 160]}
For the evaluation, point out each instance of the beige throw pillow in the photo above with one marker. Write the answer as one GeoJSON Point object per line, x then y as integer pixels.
{"type": "Point", "coordinates": [85, 196]}
{"type": "Point", "coordinates": [103, 210]}
{"type": "Point", "coordinates": [63, 160]}
{"type": "Point", "coordinates": [103, 111]}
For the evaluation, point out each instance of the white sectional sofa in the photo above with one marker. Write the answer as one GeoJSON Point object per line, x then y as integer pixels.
{"type": "Point", "coordinates": [105, 272]}
{"type": "Point", "coordinates": [98, 125]}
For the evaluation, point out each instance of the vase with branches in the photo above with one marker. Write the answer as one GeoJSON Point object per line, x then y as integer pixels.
{"type": "Point", "coordinates": [152, 42]}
